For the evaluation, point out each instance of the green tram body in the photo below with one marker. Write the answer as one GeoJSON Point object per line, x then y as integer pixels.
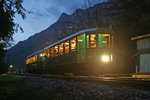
{"type": "Point", "coordinates": [85, 59]}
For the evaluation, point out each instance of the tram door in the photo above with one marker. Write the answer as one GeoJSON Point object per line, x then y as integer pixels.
{"type": "Point", "coordinates": [81, 52]}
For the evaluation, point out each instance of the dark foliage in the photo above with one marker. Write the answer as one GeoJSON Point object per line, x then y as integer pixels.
{"type": "Point", "coordinates": [8, 9]}
{"type": "Point", "coordinates": [131, 18]}
{"type": "Point", "coordinates": [3, 67]}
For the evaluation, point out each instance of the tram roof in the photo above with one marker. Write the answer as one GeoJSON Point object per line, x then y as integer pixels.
{"type": "Point", "coordinates": [141, 37]}
{"type": "Point", "coordinates": [99, 30]}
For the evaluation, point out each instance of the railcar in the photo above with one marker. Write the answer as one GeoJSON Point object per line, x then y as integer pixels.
{"type": "Point", "coordinates": [85, 52]}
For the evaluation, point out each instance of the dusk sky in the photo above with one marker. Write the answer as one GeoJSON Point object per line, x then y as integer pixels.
{"type": "Point", "coordinates": [43, 13]}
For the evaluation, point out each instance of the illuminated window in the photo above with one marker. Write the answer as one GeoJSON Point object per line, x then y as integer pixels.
{"type": "Point", "coordinates": [73, 44]}
{"type": "Point", "coordinates": [27, 61]}
{"type": "Point", "coordinates": [48, 52]}
{"type": "Point", "coordinates": [56, 50]}
{"type": "Point", "coordinates": [52, 51]}
{"type": "Point", "coordinates": [61, 48]}
{"type": "Point", "coordinates": [104, 40]}
{"type": "Point", "coordinates": [107, 39]}
{"type": "Point", "coordinates": [45, 53]}
{"type": "Point", "coordinates": [35, 57]}
{"type": "Point", "coordinates": [67, 47]}
{"type": "Point", "coordinates": [31, 60]}
{"type": "Point", "coordinates": [93, 40]}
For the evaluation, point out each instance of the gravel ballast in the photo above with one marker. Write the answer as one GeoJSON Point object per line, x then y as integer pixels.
{"type": "Point", "coordinates": [74, 90]}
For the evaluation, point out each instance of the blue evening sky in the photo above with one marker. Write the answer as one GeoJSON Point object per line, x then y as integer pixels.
{"type": "Point", "coordinates": [42, 14]}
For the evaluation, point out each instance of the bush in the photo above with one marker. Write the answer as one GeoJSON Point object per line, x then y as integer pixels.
{"type": "Point", "coordinates": [3, 67]}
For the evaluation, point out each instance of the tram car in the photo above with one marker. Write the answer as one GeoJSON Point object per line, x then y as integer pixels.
{"type": "Point", "coordinates": [85, 52]}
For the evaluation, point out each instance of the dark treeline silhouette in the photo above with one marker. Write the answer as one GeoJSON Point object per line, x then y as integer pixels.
{"type": "Point", "coordinates": [8, 9]}
{"type": "Point", "coordinates": [131, 18]}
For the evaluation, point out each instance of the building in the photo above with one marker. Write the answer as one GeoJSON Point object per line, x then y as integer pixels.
{"type": "Point", "coordinates": [143, 53]}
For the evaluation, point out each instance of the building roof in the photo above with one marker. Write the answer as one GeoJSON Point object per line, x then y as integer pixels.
{"type": "Point", "coordinates": [100, 30]}
{"type": "Point", "coordinates": [141, 37]}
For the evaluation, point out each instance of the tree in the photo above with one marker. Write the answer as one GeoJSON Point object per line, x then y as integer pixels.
{"type": "Point", "coordinates": [8, 9]}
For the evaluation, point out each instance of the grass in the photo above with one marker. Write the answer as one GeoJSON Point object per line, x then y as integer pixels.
{"type": "Point", "coordinates": [13, 89]}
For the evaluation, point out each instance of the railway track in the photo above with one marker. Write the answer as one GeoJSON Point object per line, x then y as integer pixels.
{"type": "Point", "coordinates": [113, 81]}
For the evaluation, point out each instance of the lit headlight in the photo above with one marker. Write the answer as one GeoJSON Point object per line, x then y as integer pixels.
{"type": "Point", "coordinates": [41, 55]}
{"type": "Point", "coordinates": [105, 58]}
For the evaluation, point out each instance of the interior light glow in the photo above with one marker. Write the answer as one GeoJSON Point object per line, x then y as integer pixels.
{"type": "Point", "coordinates": [79, 40]}
{"type": "Point", "coordinates": [105, 58]}
{"type": "Point", "coordinates": [67, 43]}
{"type": "Point", "coordinates": [41, 55]}
{"type": "Point", "coordinates": [111, 57]}
{"type": "Point", "coordinates": [11, 66]}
